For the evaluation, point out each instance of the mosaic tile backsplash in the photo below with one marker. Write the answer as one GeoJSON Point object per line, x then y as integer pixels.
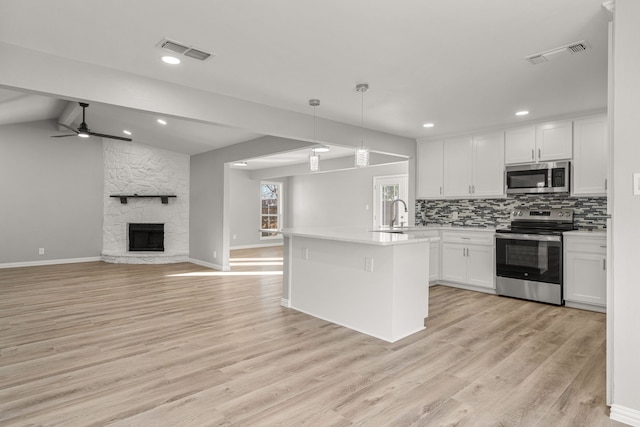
{"type": "Point", "coordinates": [588, 212]}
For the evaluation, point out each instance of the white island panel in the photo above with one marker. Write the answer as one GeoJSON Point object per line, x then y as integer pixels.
{"type": "Point", "coordinates": [329, 279]}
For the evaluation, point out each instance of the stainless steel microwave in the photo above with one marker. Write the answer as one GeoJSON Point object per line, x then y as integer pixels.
{"type": "Point", "coordinates": [549, 177]}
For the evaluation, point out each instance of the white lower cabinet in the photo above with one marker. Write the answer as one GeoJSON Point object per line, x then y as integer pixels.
{"type": "Point", "coordinates": [468, 258]}
{"type": "Point", "coordinates": [585, 272]}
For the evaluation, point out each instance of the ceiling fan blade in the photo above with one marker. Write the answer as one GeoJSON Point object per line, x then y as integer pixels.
{"type": "Point", "coordinates": [62, 136]}
{"type": "Point", "coordinates": [102, 135]}
{"type": "Point", "coordinates": [68, 127]}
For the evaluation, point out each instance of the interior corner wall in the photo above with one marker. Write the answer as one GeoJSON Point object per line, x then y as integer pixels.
{"type": "Point", "coordinates": [338, 199]}
{"type": "Point", "coordinates": [626, 211]}
{"type": "Point", "coordinates": [244, 211]}
{"type": "Point", "coordinates": [51, 195]}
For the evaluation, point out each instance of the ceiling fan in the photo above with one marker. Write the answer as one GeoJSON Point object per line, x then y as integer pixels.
{"type": "Point", "coordinates": [83, 130]}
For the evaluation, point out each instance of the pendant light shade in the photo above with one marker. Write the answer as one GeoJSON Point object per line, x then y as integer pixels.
{"type": "Point", "coordinates": [314, 161]}
{"type": "Point", "coordinates": [314, 158]}
{"type": "Point", "coordinates": [362, 153]}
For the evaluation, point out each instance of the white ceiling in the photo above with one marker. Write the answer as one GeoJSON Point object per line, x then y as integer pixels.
{"type": "Point", "coordinates": [459, 64]}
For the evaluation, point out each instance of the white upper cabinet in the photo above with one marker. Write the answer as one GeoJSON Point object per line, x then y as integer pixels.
{"type": "Point", "coordinates": [488, 165]}
{"type": "Point", "coordinates": [520, 145]}
{"type": "Point", "coordinates": [429, 170]}
{"type": "Point", "coordinates": [541, 143]}
{"type": "Point", "coordinates": [458, 155]}
{"type": "Point", "coordinates": [554, 141]}
{"type": "Point", "coordinates": [589, 165]}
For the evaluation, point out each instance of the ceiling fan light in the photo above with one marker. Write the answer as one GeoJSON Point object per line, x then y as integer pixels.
{"type": "Point", "coordinates": [82, 134]}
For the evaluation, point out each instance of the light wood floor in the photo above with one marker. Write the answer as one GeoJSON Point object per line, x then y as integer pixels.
{"type": "Point", "coordinates": [98, 344]}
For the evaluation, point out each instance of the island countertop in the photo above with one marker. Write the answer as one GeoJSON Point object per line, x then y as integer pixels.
{"type": "Point", "coordinates": [360, 235]}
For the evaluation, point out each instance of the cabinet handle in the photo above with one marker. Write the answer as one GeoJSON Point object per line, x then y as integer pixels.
{"type": "Point", "coordinates": [604, 264]}
{"type": "Point", "coordinates": [605, 185]}
{"type": "Point", "coordinates": [441, 190]}
{"type": "Point", "coordinates": [539, 153]}
{"type": "Point", "coordinates": [533, 155]}
{"type": "Point", "coordinates": [473, 189]}
{"type": "Point", "coordinates": [469, 189]}
{"type": "Point", "coordinates": [464, 252]}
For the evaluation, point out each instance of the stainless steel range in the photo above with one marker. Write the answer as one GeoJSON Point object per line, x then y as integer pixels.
{"type": "Point", "coordinates": [529, 255]}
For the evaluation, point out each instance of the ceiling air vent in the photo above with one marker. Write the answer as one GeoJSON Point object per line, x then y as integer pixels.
{"type": "Point", "coordinates": [570, 49]}
{"type": "Point", "coordinates": [185, 50]}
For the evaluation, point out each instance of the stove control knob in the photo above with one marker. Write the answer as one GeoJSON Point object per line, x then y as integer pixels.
{"type": "Point", "coordinates": [560, 214]}
{"type": "Point", "coordinates": [519, 213]}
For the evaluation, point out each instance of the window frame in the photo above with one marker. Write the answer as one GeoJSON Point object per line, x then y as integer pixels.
{"type": "Point", "coordinates": [279, 215]}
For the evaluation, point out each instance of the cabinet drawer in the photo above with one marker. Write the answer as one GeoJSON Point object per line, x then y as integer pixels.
{"type": "Point", "coordinates": [595, 245]}
{"type": "Point", "coordinates": [423, 233]}
{"type": "Point", "coordinates": [468, 237]}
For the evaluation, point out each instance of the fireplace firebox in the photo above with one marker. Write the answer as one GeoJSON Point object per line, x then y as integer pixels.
{"type": "Point", "coordinates": [146, 237]}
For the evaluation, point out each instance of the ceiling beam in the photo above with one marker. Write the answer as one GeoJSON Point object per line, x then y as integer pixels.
{"type": "Point", "coordinates": [69, 114]}
{"type": "Point", "coordinates": [69, 79]}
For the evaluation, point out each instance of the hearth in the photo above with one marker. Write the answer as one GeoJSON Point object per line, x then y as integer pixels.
{"type": "Point", "coordinates": [146, 237]}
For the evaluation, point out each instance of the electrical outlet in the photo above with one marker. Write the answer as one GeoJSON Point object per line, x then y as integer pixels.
{"type": "Point", "coordinates": [41, 251]}
{"type": "Point", "coordinates": [368, 264]}
{"type": "Point", "coordinates": [215, 254]}
{"type": "Point", "coordinates": [305, 253]}
{"type": "Point", "coordinates": [454, 215]}
{"type": "Point", "coordinates": [234, 237]}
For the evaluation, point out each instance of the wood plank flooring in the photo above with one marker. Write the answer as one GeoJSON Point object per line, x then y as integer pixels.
{"type": "Point", "coordinates": [97, 344]}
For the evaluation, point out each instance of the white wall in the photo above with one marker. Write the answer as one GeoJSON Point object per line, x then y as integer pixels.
{"type": "Point", "coordinates": [337, 198]}
{"type": "Point", "coordinates": [625, 307]}
{"type": "Point", "coordinates": [132, 168]}
{"type": "Point", "coordinates": [244, 210]}
{"type": "Point", "coordinates": [51, 195]}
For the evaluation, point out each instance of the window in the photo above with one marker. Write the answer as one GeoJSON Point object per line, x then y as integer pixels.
{"type": "Point", "coordinates": [270, 208]}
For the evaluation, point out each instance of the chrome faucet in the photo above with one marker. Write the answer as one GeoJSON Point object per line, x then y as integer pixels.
{"type": "Point", "coordinates": [395, 211]}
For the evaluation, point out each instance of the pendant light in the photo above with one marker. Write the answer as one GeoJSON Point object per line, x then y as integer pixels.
{"type": "Point", "coordinates": [314, 158]}
{"type": "Point", "coordinates": [362, 153]}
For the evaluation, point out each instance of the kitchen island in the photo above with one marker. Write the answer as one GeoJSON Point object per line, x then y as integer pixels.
{"type": "Point", "coordinates": [373, 282]}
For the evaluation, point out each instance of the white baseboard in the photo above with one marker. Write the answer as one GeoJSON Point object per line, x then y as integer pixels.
{"type": "Point", "coordinates": [285, 302]}
{"type": "Point", "coordinates": [625, 415]}
{"type": "Point", "coordinates": [259, 245]}
{"type": "Point", "coordinates": [49, 262]}
{"type": "Point", "coordinates": [209, 264]}
{"type": "Point", "coordinates": [463, 286]}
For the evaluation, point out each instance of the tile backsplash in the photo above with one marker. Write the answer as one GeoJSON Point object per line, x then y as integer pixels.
{"type": "Point", "coordinates": [588, 212]}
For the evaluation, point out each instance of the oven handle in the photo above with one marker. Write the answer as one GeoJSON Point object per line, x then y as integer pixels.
{"type": "Point", "coordinates": [536, 237]}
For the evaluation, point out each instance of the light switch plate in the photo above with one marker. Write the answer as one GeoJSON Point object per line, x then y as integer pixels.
{"type": "Point", "coordinates": [636, 184]}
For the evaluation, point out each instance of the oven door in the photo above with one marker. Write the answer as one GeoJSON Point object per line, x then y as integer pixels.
{"type": "Point", "coordinates": [531, 257]}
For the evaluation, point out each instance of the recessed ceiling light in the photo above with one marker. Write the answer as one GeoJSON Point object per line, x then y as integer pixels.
{"type": "Point", "coordinates": [522, 113]}
{"type": "Point", "coordinates": [162, 122]}
{"type": "Point", "coordinates": [170, 60]}
{"type": "Point", "coordinates": [240, 164]}
{"type": "Point", "coordinates": [428, 125]}
{"type": "Point", "coordinates": [322, 149]}
{"type": "Point", "coordinates": [126, 132]}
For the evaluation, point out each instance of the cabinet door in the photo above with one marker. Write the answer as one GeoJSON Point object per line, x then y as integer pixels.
{"type": "Point", "coordinates": [434, 261]}
{"type": "Point", "coordinates": [554, 141]}
{"type": "Point", "coordinates": [590, 156]}
{"type": "Point", "coordinates": [457, 167]}
{"type": "Point", "coordinates": [429, 170]}
{"type": "Point", "coordinates": [586, 278]}
{"type": "Point", "coordinates": [480, 266]}
{"type": "Point", "coordinates": [454, 262]}
{"type": "Point", "coordinates": [488, 165]}
{"type": "Point", "coordinates": [520, 144]}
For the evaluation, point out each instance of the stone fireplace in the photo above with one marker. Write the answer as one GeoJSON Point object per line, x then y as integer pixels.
{"type": "Point", "coordinates": [159, 230]}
